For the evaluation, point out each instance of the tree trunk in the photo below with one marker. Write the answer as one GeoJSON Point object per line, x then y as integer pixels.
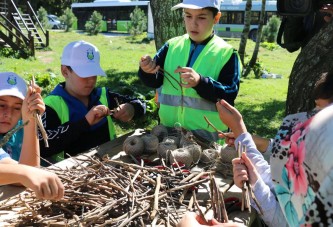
{"type": "Point", "coordinates": [167, 23]}
{"type": "Point", "coordinates": [257, 46]}
{"type": "Point", "coordinates": [246, 30]}
{"type": "Point", "coordinates": [314, 59]}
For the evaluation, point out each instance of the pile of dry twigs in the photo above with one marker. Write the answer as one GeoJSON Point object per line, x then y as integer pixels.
{"type": "Point", "coordinates": [105, 192]}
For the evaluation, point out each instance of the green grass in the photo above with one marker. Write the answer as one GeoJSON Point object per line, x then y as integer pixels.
{"type": "Point", "coordinates": [261, 101]}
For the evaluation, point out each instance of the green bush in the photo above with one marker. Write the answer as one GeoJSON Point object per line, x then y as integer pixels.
{"type": "Point", "coordinates": [270, 31]}
{"type": "Point", "coordinates": [47, 81]}
{"type": "Point", "coordinates": [94, 24]}
{"type": "Point", "coordinates": [138, 22]}
{"type": "Point", "coordinates": [269, 46]}
{"type": "Point", "coordinates": [68, 19]}
{"type": "Point", "coordinates": [42, 17]}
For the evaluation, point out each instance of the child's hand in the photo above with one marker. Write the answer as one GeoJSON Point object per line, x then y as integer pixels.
{"type": "Point", "coordinates": [231, 117]}
{"type": "Point", "coordinates": [189, 77]}
{"type": "Point", "coordinates": [229, 138]}
{"type": "Point", "coordinates": [125, 112]}
{"type": "Point", "coordinates": [45, 184]}
{"type": "Point", "coordinates": [96, 114]}
{"type": "Point", "coordinates": [148, 65]}
{"type": "Point", "coordinates": [244, 170]}
{"type": "Point", "coordinates": [32, 102]}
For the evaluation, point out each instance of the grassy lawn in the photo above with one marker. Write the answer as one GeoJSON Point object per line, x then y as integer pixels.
{"type": "Point", "coordinates": [261, 101]}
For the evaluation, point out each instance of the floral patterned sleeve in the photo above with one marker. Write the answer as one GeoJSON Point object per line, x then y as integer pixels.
{"type": "Point", "coordinates": [304, 187]}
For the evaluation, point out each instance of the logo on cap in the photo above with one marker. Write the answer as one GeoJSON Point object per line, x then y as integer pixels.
{"type": "Point", "coordinates": [11, 80]}
{"type": "Point", "coordinates": [90, 54]}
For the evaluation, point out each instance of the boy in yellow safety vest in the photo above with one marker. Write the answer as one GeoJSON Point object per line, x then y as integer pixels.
{"type": "Point", "coordinates": [193, 71]}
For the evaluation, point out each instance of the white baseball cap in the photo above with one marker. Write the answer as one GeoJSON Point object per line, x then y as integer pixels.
{"type": "Point", "coordinates": [13, 85]}
{"type": "Point", "coordinates": [83, 58]}
{"type": "Point", "coordinates": [198, 4]}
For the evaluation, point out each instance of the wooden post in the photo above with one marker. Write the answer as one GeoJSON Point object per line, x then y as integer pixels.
{"type": "Point", "coordinates": [31, 44]}
{"type": "Point", "coordinates": [47, 35]}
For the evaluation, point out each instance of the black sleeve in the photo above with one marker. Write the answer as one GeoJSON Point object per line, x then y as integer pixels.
{"type": "Point", "coordinates": [59, 135]}
{"type": "Point", "coordinates": [138, 104]}
{"type": "Point", "coordinates": [155, 80]}
{"type": "Point", "coordinates": [227, 85]}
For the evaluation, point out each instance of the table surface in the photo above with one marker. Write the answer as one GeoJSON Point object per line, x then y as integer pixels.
{"type": "Point", "coordinates": [114, 150]}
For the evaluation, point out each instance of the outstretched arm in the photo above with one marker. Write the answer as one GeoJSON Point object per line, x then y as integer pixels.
{"type": "Point", "coordinates": [45, 184]}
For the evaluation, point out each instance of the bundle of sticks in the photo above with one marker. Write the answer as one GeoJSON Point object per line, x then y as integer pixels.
{"type": "Point", "coordinates": [105, 192]}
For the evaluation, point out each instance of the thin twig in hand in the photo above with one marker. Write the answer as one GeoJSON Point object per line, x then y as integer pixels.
{"type": "Point", "coordinates": [210, 124]}
{"type": "Point", "coordinates": [9, 134]}
{"type": "Point", "coordinates": [39, 119]}
{"type": "Point", "coordinates": [244, 188]}
{"type": "Point", "coordinates": [167, 76]}
{"type": "Point", "coordinates": [250, 193]}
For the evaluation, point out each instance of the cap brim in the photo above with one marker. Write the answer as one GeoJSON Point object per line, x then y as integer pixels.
{"type": "Point", "coordinates": [187, 6]}
{"type": "Point", "coordinates": [12, 92]}
{"type": "Point", "coordinates": [88, 71]}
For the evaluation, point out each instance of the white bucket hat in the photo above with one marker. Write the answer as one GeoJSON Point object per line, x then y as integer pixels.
{"type": "Point", "coordinates": [83, 58]}
{"type": "Point", "coordinates": [13, 85]}
{"type": "Point", "coordinates": [198, 4]}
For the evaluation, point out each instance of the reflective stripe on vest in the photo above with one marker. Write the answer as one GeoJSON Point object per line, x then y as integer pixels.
{"type": "Point", "coordinates": [184, 105]}
{"type": "Point", "coordinates": [58, 104]}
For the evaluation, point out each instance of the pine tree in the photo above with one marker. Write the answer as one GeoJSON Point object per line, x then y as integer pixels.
{"type": "Point", "coordinates": [138, 22]}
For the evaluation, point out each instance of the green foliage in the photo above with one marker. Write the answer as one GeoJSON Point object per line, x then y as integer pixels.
{"type": "Point", "coordinates": [94, 24]}
{"type": "Point", "coordinates": [47, 81]}
{"type": "Point", "coordinates": [138, 22]}
{"type": "Point", "coordinates": [258, 69]}
{"type": "Point", "coordinates": [42, 17]}
{"type": "Point", "coordinates": [269, 46]}
{"type": "Point", "coordinates": [68, 19]}
{"type": "Point", "coordinates": [10, 53]}
{"type": "Point", "coordinates": [270, 31]}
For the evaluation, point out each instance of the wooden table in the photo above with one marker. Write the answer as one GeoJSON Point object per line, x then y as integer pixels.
{"type": "Point", "coordinates": [114, 150]}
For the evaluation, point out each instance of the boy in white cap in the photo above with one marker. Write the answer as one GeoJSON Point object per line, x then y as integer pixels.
{"type": "Point", "coordinates": [17, 104]}
{"type": "Point", "coordinates": [206, 67]}
{"type": "Point", "coordinates": [77, 116]}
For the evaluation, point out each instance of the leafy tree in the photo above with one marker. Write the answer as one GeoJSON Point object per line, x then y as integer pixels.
{"type": "Point", "coordinates": [94, 24]}
{"type": "Point", "coordinates": [138, 22]}
{"type": "Point", "coordinates": [68, 18]}
{"type": "Point", "coordinates": [167, 23]}
{"type": "Point", "coordinates": [270, 31]}
{"type": "Point", "coordinates": [42, 17]}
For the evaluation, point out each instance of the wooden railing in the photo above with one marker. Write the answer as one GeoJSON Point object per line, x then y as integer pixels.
{"type": "Point", "coordinates": [15, 38]}
{"type": "Point", "coordinates": [19, 33]}
{"type": "Point", "coordinates": [40, 26]}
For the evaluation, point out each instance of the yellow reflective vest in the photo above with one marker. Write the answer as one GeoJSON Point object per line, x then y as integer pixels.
{"type": "Point", "coordinates": [184, 105]}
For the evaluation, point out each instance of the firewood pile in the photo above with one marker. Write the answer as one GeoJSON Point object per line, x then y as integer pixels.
{"type": "Point", "coordinates": [105, 192]}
